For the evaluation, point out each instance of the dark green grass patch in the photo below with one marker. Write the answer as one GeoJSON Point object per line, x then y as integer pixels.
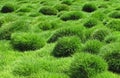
{"type": "Point", "coordinates": [89, 7]}
{"type": "Point", "coordinates": [115, 14]}
{"type": "Point", "coordinates": [17, 26]}
{"type": "Point", "coordinates": [62, 7]}
{"type": "Point", "coordinates": [8, 8]}
{"type": "Point", "coordinates": [48, 10]}
{"type": "Point", "coordinates": [72, 15]}
{"type": "Point", "coordinates": [113, 37]}
{"type": "Point", "coordinates": [90, 23]}
{"type": "Point", "coordinates": [87, 65]}
{"type": "Point", "coordinates": [67, 46]}
{"type": "Point", "coordinates": [27, 41]}
{"type": "Point", "coordinates": [92, 46]}
{"type": "Point", "coordinates": [68, 31]}
{"type": "Point", "coordinates": [100, 34]}
{"type": "Point", "coordinates": [99, 15]}
{"type": "Point", "coordinates": [68, 2]}
{"type": "Point", "coordinates": [111, 53]}
{"type": "Point", "coordinates": [114, 24]}
{"type": "Point", "coordinates": [48, 25]}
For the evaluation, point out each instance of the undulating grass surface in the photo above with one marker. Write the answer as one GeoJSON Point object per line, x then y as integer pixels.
{"type": "Point", "coordinates": [59, 38]}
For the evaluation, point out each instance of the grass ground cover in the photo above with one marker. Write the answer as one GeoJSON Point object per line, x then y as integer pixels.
{"type": "Point", "coordinates": [59, 38]}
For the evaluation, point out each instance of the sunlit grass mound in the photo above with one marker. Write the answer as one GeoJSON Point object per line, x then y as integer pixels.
{"type": "Point", "coordinates": [99, 15]}
{"type": "Point", "coordinates": [72, 15]}
{"type": "Point", "coordinates": [48, 10]}
{"type": "Point", "coordinates": [87, 66]}
{"type": "Point", "coordinates": [115, 14]}
{"type": "Point", "coordinates": [27, 41]}
{"type": "Point", "coordinates": [62, 7]}
{"type": "Point", "coordinates": [7, 8]}
{"type": "Point", "coordinates": [113, 37]}
{"type": "Point", "coordinates": [111, 53]}
{"type": "Point", "coordinates": [90, 23]}
{"type": "Point", "coordinates": [25, 67]}
{"type": "Point", "coordinates": [89, 31]}
{"type": "Point", "coordinates": [89, 7]}
{"type": "Point", "coordinates": [114, 24]}
{"type": "Point", "coordinates": [68, 2]}
{"type": "Point", "coordinates": [67, 46]}
{"type": "Point", "coordinates": [48, 25]}
{"type": "Point", "coordinates": [92, 46]}
{"type": "Point", "coordinates": [68, 31]}
{"type": "Point", "coordinates": [100, 33]}
{"type": "Point", "coordinates": [106, 75]}
{"type": "Point", "coordinates": [17, 26]}
{"type": "Point", "coordinates": [113, 60]}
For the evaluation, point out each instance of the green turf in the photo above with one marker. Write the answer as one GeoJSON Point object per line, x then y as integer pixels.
{"type": "Point", "coordinates": [37, 27]}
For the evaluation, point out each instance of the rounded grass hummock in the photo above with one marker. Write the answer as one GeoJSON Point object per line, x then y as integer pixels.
{"type": "Point", "coordinates": [100, 33]}
{"type": "Point", "coordinates": [67, 46]}
{"type": "Point", "coordinates": [111, 53]}
{"type": "Point", "coordinates": [7, 8]}
{"type": "Point", "coordinates": [107, 75]}
{"type": "Point", "coordinates": [92, 46]}
{"type": "Point", "coordinates": [25, 67]}
{"type": "Point", "coordinates": [17, 26]}
{"type": "Point", "coordinates": [89, 7]}
{"type": "Point", "coordinates": [99, 15]}
{"type": "Point", "coordinates": [71, 15]}
{"type": "Point", "coordinates": [114, 25]}
{"type": "Point", "coordinates": [68, 31]}
{"type": "Point", "coordinates": [48, 25]}
{"type": "Point", "coordinates": [62, 7]}
{"type": "Point", "coordinates": [45, 26]}
{"type": "Point", "coordinates": [90, 23]}
{"type": "Point", "coordinates": [86, 66]}
{"type": "Point", "coordinates": [113, 37]}
{"type": "Point", "coordinates": [48, 10]}
{"type": "Point", "coordinates": [113, 60]}
{"type": "Point", "coordinates": [27, 41]}
{"type": "Point", "coordinates": [68, 2]}
{"type": "Point", "coordinates": [115, 14]}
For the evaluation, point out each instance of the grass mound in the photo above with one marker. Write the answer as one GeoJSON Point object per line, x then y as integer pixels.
{"type": "Point", "coordinates": [62, 7]}
{"type": "Point", "coordinates": [48, 25]}
{"type": "Point", "coordinates": [115, 14]}
{"type": "Point", "coordinates": [100, 33]}
{"type": "Point", "coordinates": [113, 37]}
{"type": "Point", "coordinates": [48, 10]}
{"type": "Point", "coordinates": [67, 46]}
{"type": "Point", "coordinates": [25, 67]}
{"type": "Point", "coordinates": [17, 26]}
{"type": "Point", "coordinates": [73, 15]}
{"type": "Point", "coordinates": [68, 31]}
{"type": "Point", "coordinates": [92, 46]}
{"type": "Point", "coordinates": [111, 53]}
{"type": "Point", "coordinates": [113, 60]}
{"type": "Point", "coordinates": [99, 15]}
{"type": "Point", "coordinates": [87, 65]}
{"type": "Point", "coordinates": [7, 8]}
{"type": "Point", "coordinates": [89, 7]}
{"type": "Point", "coordinates": [26, 41]}
{"type": "Point", "coordinates": [90, 23]}
{"type": "Point", "coordinates": [114, 24]}
{"type": "Point", "coordinates": [68, 2]}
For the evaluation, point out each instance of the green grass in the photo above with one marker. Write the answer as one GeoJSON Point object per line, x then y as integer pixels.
{"type": "Point", "coordinates": [31, 30]}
